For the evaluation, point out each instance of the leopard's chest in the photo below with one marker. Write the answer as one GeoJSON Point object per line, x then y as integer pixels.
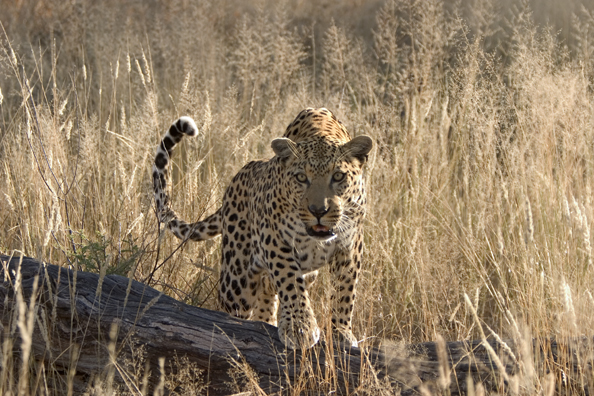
{"type": "Point", "coordinates": [312, 254]}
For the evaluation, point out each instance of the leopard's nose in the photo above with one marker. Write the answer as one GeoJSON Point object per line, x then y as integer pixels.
{"type": "Point", "coordinates": [318, 211]}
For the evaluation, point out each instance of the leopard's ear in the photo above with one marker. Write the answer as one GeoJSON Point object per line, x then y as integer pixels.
{"type": "Point", "coordinates": [358, 148]}
{"type": "Point", "coordinates": [284, 148]}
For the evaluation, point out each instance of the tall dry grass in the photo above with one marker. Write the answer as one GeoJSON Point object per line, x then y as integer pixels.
{"type": "Point", "coordinates": [480, 184]}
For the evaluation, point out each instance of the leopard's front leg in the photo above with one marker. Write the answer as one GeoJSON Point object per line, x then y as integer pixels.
{"type": "Point", "coordinates": [297, 326]}
{"type": "Point", "coordinates": [345, 270]}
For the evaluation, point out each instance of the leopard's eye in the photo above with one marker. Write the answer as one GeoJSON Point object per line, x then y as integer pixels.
{"type": "Point", "coordinates": [301, 177]}
{"type": "Point", "coordinates": [338, 176]}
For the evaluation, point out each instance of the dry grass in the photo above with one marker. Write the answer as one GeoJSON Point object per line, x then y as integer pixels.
{"type": "Point", "coordinates": [480, 183]}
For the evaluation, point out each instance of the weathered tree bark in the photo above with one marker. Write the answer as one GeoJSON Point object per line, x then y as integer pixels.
{"type": "Point", "coordinates": [92, 328]}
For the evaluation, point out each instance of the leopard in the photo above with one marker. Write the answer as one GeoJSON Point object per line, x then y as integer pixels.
{"type": "Point", "coordinates": [281, 220]}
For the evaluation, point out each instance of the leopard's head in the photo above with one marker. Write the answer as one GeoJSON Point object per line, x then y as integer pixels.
{"type": "Point", "coordinates": [324, 180]}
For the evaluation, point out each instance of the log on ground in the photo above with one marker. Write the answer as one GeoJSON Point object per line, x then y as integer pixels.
{"type": "Point", "coordinates": [93, 329]}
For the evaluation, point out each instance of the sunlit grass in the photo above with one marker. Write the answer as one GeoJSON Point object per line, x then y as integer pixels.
{"type": "Point", "coordinates": [480, 183]}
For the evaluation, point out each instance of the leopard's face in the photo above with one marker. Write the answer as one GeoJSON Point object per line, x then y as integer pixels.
{"type": "Point", "coordinates": [326, 188]}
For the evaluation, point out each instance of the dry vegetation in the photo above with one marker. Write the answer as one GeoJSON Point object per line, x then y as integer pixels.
{"type": "Point", "coordinates": [480, 183]}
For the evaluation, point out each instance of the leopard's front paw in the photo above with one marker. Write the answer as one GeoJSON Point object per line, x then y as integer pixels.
{"type": "Point", "coordinates": [298, 334]}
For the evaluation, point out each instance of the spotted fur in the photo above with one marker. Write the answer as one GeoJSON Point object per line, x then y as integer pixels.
{"type": "Point", "coordinates": [281, 220]}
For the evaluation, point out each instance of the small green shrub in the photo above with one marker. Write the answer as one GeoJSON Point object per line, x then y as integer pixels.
{"type": "Point", "coordinates": [102, 255]}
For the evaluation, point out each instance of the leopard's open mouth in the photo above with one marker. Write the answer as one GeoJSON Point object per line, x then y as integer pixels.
{"type": "Point", "coordinates": [320, 231]}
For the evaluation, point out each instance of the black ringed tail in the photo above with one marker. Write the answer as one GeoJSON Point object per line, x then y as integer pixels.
{"type": "Point", "coordinates": [183, 126]}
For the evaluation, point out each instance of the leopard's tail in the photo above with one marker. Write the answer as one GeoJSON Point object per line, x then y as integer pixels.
{"type": "Point", "coordinates": [201, 230]}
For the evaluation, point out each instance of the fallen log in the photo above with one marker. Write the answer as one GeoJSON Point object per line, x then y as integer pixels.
{"type": "Point", "coordinates": [112, 331]}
